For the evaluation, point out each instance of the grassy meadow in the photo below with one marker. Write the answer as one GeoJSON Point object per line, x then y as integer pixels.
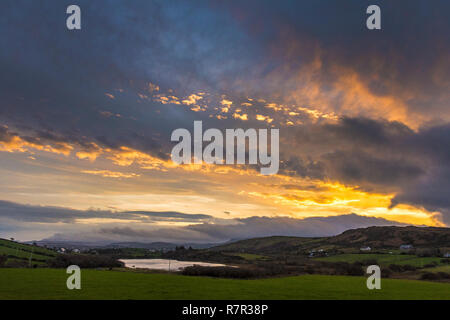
{"type": "Point", "coordinates": [384, 259]}
{"type": "Point", "coordinates": [43, 283]}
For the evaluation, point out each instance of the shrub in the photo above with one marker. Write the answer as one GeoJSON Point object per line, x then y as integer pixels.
{"type": "Point", "coordinates": [272, 269]}
{"type": "Point", "coordinates": [15, 263]}
{"type": "Point", "coordinates": [435, 276]}
{"type": "Point", "coordinates": [355, 269]}
{"type": "Point", "coordinates": [345, 268]}
{"type": "Point", "coordinates": [386, 272]}
{"type": "Point", "coordinates": [430, 276]}
{"type": "Point", "coordinates": [310, 269]}
{"type": "Point", "coordinates": [408, 267]}
{"type": "Point", "coordinates": [428, 252]}
{"type": "Point", "coordinates": [84, 261]}
{"type": "Point", "coordinates": [444, 275]}
{"type": "Point", "coordinates": [2, 260]}
{"type": "Point", "coordinates": [221, 272]}
{"type": "Point", "coordinates": [401, 268]}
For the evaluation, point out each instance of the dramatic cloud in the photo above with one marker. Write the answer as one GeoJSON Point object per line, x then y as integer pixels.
{"type": "Point", "coordinates": [27, 213]}
{"type": "Point", "coordinates": [145, 226]}
{"type": "Point", "coordinates": [379, 155]}
{"type": "Point", "coordinates": [322, 55]}
{"type": "Point", "coordinates": [235, 230]}
{"type": "Point", "coordinates": [86, 116]}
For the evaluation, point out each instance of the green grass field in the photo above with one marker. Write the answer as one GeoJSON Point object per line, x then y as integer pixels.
{"type": "Point", "coordinates": [384, 259]}
{"type": "Point", "coordinates": [51, 284]}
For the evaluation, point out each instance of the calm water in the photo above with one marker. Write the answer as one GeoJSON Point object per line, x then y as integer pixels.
{"type": "Point", "coordinates": [163, 264]}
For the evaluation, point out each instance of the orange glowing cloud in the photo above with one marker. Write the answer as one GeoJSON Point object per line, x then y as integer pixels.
{"type": "Point", "coordinates": [192, 99]}
{"type": "Point", "coordinates": [125, 156]}
{"type": "Point", "coordinates": [15, 143]}
{"type": "Point", "coordinates": [347, 94]}
{"type": "Point", "coordinates": [111, 174]}
{"type": "Point", "coordinates": [226, 103]}
{"type": "Point", "coordinates": [260, 117]}
{"type": "Point", "coordinates": [91, 153]}
{"type": "Point", "coordinates": [243, 117]}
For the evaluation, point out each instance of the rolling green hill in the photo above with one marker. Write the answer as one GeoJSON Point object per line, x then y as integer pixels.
{"type": "Point", "coordinates": [378, 238]}
{"type": "Point", "coordinates": [393, 237]}
{"type": "Point", "coordinates": [21, 255]}
{"type": "Point", "coordinates": [270, 244]}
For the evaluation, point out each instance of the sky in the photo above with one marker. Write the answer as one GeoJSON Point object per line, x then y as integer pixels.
{"type": "Point", "coordinates": [86, 118]}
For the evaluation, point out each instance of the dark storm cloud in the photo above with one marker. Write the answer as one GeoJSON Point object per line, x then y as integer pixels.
{"type": "Point", "coordinates": [295, 166]}
{"type": "Point", "coordinates": [309, 227]}
{"type": "Point", "coordinates": [169, 215]}
{"type": "Point", "coordinates": [358, 167]}
{"type": "Point", "coordinates": [364, 131]}
{"type": "Point", "coordinates": [5, 135]}
{"type": "Point", "coordinates": [47, 214]}
{"type": "Point", "coordinates": [202, 229]}
{"type": "Point", "coordinates": [380, 156]}
{"type": "Point", "coordinates": [408, 58]}
{"type": "Point", "coordinates": [431, 191]}
{"type": "Point", "coordinates": [53, 81]}
{"type": "Point", "coordinates": [237, 229]}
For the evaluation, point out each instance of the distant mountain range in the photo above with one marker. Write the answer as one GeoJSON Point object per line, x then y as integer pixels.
{"type": "Point", "coordinates": [150, 246]}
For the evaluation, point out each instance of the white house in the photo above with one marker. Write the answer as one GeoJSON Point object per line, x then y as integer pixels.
{"type": "Point", "coordinates": [365, 248]}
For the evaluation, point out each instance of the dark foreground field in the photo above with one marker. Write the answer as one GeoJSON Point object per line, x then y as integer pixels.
{"type": "Point", "coordinates": [51, 284]}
